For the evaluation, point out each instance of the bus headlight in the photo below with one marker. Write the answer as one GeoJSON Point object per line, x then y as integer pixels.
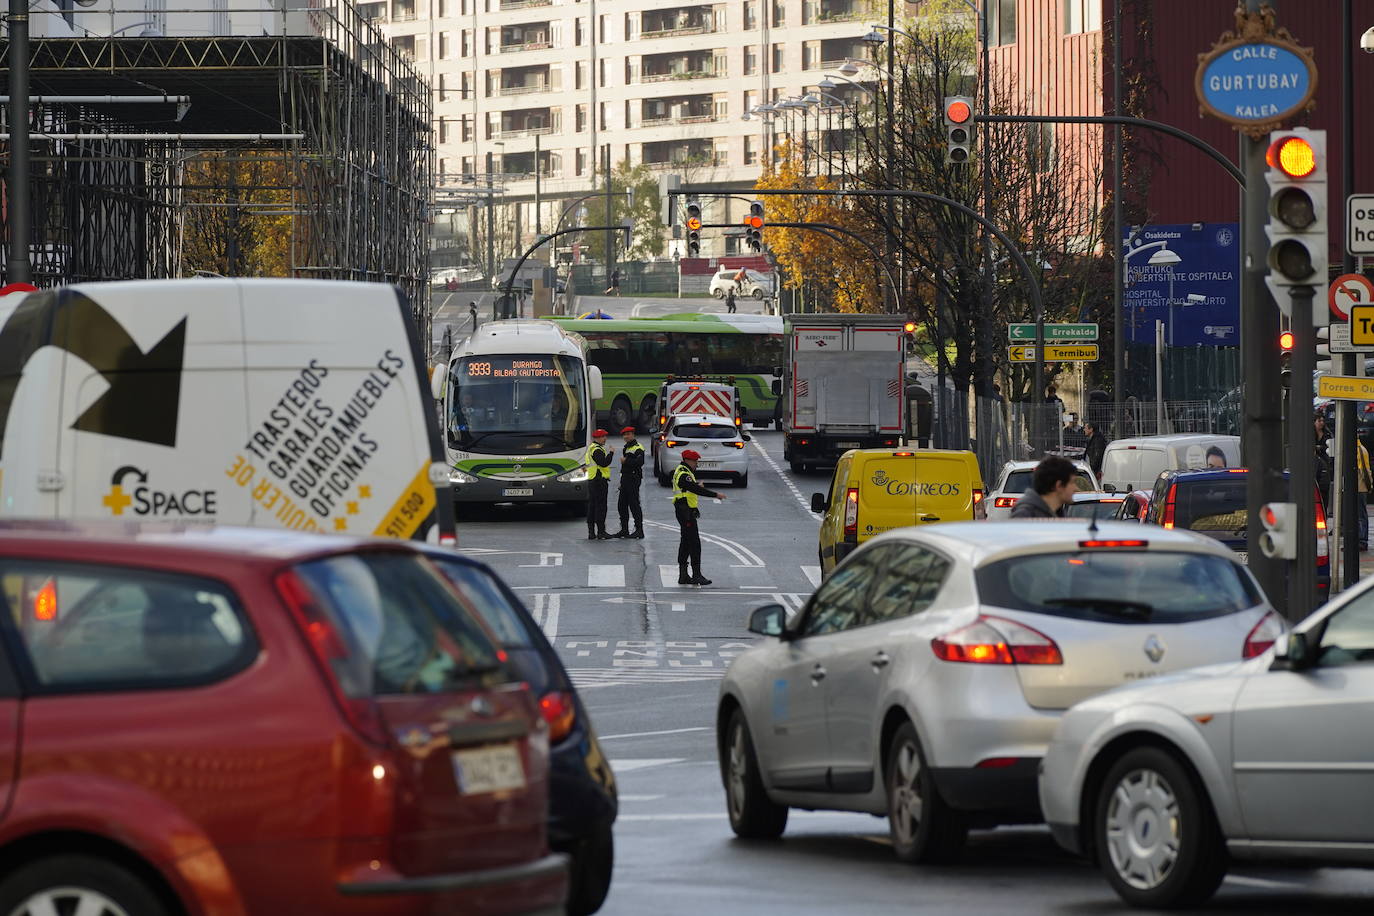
{"type": "Point", "coordinates": [456, 476]}
{"type": "Point", "coordinates": [576, 475]}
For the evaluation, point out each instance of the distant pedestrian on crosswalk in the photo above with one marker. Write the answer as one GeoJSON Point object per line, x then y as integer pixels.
{"type": "Point", "coordinates": [631, 477]}
{"type": "Point", "coordinates": [598, 462]}
{"type": "Point", "coordinates": [685, 493]}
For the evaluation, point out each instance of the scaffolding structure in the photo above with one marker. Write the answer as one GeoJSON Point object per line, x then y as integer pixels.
{"type": "Point", "coordinates": [354, 175]}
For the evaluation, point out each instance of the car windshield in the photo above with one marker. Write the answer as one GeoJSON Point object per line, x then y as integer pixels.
{"type": "Point", "coordinates": [1119, 586]}
{"type": "Point", "coordinates": [1215, 505]}
{"type": "Point", "coordinates": [479, 588]}
{"type": "Point", "coordinates": [704, 431]}
{"type": "Point", "coordinates": [516, 404]}
{"type": "Point", "coordinates": [1093, 508]}
{"type": "Point", "coordinates": [1020, 481]}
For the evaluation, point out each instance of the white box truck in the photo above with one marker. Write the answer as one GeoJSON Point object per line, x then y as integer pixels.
{"type": "Point", "coordinates": [288, 404]}
{"type": "Point", "coordinates": [842, 387]}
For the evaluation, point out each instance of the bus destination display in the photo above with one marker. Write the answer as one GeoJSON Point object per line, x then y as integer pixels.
{"type": "Point", "coordinates": [515, 368]}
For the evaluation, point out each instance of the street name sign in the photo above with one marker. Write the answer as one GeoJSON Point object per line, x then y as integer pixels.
{"type": "Point", "coordinates": [1339, 339]}
{"type": "Point", "coordinates": [1359, 224]}
{"type": "Point", "coordinates": [1345, 387]}
{"type": "Point", "coordinates": [1362, 325]}
{"type": "Point", "coordinates": [1053, 332]}
{"type": "Point", "coordinates": [1346, 291]}
{"type": "Point", "coordinates": [1062, 353]}
{"type": "Point", "coordinates": [1256, 77]}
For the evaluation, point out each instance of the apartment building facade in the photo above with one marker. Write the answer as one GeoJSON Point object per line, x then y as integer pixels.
{"type": "Point", "coordinates": [562, 86]}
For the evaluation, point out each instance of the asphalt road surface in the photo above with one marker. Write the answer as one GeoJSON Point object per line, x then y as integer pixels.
{"type": "Point", "coordinates": [648, 656]}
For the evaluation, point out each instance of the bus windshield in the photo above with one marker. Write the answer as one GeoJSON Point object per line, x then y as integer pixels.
{"type": "Point", "coordinates": [513, 404]}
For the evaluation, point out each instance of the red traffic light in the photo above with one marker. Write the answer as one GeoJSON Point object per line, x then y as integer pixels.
{"type": "Point", "coordinates": [1293, 156]}
{"type": "Point", "coordinates": [754, 222]}
{"type": "Point", "coordinates": [1286, 341]}
{"type": "Point", "coordinates": [958, 111]}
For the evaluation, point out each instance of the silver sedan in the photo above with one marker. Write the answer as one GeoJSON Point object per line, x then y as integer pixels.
{"type": "Point", "coordinates": [1271, 758]}
{"type": "Point", "coordinates": [924, 678]}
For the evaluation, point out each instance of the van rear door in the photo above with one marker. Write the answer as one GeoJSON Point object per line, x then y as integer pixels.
{"type": "Point", "coordinates": [30, 413]}
{"type": "Point", "coordinates": [944, 487]}
{"type": "Point", "coordinates": [343, 431]}
{"type": "Point", "coordinates": [152, 412]}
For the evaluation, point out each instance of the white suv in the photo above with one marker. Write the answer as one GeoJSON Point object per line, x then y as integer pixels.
{"type": "Point", "coordinates": [720, 443]}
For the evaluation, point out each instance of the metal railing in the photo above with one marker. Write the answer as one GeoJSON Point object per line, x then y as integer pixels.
{"type": "Point", "coordinates": [525, 132]}
{"type": "Point", "coordinates": [687, 75]}
{"type": "Point", "coordinates": [543, 44]}
{"type": "Point", "coordinates": [525, 89]}
{"type": "Point", "coordinates": [703, 29]}
{"type": "Point", "coordinates": [523, 4]}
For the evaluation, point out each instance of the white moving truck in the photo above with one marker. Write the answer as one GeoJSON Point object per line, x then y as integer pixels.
{"type": "Point", "coordinates": [296, 404]}
{"type": "Point", "coordinates": [842, 387]}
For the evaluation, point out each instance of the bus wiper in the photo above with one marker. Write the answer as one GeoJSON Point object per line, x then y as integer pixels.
{"type": "Point", "coordinates": [1131, 610]}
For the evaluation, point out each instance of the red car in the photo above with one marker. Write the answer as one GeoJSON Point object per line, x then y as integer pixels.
{"type": "Point", "coordinates": [253, 722]}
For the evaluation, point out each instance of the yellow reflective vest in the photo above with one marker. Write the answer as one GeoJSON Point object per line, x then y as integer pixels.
{"type": "Point", "coordinates": [678, 492]}
{"type": "Point", "coordinates": [594, 469]}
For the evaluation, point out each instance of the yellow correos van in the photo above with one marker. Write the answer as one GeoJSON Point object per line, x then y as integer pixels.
{"type": "Point", "coordinates": [878, 489]}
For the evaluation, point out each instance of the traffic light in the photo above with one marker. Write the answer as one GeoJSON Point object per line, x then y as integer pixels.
{"type": "Point", "coordinates": [693, 224]}
{"type": "Point", "coordinates": [1279, 540]}
{"type": "Point", "coordinates": [753, 226]}
{"type": "Point", "coordinates": [1285, 358]}
{"type": "Point", "coordinates": [958, 128]}
{"type": "Point", "coordinates": [1297, 213]}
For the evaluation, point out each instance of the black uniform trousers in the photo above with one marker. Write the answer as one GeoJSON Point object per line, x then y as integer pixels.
{"type": "Point", "coordinates": [598, 492]}
{"type": "Point", "coordinates": [628, 504]}
{"type": "Point", "coordinates": [689, 538]}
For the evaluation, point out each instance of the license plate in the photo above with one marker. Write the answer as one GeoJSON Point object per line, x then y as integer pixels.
{"type": "Point", "coordinates": [708, 464]}
{"type": "Point", "coordinates": [1243, 556]}
{"type": "Point", "coordinates": [847, 444]}
{"type": "Point", "coordinates": [488, 769]}
{"type": "Point", "coordinates": [518, 491]}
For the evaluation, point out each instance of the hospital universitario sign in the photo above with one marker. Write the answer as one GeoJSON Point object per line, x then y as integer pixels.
{"type": "Point", "coordinates": [1256, 77]}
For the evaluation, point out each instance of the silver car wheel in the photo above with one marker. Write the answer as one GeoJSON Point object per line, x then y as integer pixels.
{"type": "Point", "coordinates": [905, 806]}
{"type": "Point", "coordinates": [79, 901]}
{"type": "Point", "coordinates": [738, 766]}
{"type": "Point", "coordinates": [1143, 829]}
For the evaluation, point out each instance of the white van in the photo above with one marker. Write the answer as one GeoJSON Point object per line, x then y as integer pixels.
{"type": "Point", "coordinates": [1134, 464]}
{"type": "Point", "coordinates": [299, 404]}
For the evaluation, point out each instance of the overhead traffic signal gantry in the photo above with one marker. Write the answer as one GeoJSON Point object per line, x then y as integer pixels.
{"type": "Point", "coordinates": [958, 113]}
{"type": "Point", "coordinates": [753, 226]}
{"type": "Point", "coordinates": [693, 225]}
{"type": "Point", "coordinates": [1297, 218]}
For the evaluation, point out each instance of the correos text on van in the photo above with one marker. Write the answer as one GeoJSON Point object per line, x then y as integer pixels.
{"type": "Point", "coordinates": [296, 404]}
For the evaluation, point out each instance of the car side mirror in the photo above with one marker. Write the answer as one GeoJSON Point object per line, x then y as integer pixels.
{"type": "Point", "coordinates": [1294, 654]}
{"type": "Point", "coordinates": [819, 503]}
{"type": "Point", "coordinates": [777, 387]}
{"type": "Point", "coordinates": [769, 620]}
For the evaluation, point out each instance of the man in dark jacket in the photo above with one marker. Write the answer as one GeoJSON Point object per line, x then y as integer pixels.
{"type": "Point", "coordinates": [598, 461]}
{"type": "Point", "coordinates": [685, 493]}
{"type": "Point", "coordinates": [1052, 489]}
{"type": "Point", "coordinates": [631, 476]}
{"type": "Point", "coordinates": [1095, 449]}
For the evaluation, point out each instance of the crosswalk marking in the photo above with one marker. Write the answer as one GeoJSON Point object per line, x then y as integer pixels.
{"type": "Point", "coordinates": [546, 608]}
{"type": "Point", "coordinates": [606, 576]}
{"type": "Point", "coordinates": [588, 678]}
{"type": "Point", "coordinates": [668, 573]}
{"type": "Point", "coordinates": [814, 574]}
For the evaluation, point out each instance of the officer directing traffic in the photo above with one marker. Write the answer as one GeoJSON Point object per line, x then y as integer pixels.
{"type": "Point", "coordinates": [598, 462]}
{"type": "Point", "coordinates": [685, 493]}
{"type": "Point", "coordinates": [631, 476]}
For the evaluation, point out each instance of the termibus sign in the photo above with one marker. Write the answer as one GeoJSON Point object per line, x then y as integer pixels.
{"type": "Point", "coordinates": [1257, 77]}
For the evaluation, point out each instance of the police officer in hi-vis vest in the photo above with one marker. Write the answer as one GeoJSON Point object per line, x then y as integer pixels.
{"type": "Point", "coordinates": [631, 476]}
{"type": "Point", "coordinates": [685, 493]}
{"type": "Point", "coordinates": [598, 462]}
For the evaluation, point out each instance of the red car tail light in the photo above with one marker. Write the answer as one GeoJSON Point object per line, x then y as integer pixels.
{"type": "Point", "coordinates": [997, 641]}
{"type": "Point", "coordinates": [1167, 516]}
{"type": "Point", "coordinates": [851, 511]}
{"type": "Point", "coordinates": [1262, 635]}
{"type": "Point", "coordinates": [1004, 502]}
{"type": "Point", "coordinates": [560, 712]}
{"type": "Point", "coordinates": [336, 662]}
{"type": "Point", "coordinates": [980, 509]}
{"type": "Point", "coordinates": [45, 602]}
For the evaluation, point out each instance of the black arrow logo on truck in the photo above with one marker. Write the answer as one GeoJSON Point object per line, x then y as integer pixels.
{"type": "Point", "coordinates": [144, 396]}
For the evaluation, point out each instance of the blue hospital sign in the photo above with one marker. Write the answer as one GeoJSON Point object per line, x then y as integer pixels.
{"type": "Point", "coordinates": [1188, 277]}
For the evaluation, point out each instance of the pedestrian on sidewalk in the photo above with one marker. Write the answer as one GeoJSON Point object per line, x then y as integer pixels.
{"type": "Point", "coordinates": [1322, 462]}
{"type": "Point", "coordinates": [1051, 491]}
{"type": "Point", "coordinates": [730, 300]}
{"type": "Point", "coordinates": [631, 477]}
{"type": "Point", "coordinates": [685, 493]}
{"type": "Point", "coordinates": [472, 313]}
{"type": "Point", "coordinates": [598, 461]}
{"type": "Point", "coordinates": [1365, 479]}
{"type": "Point", "coordinates": [614, 288]}
{"type": "Point", "coordinates": [1095, 449]}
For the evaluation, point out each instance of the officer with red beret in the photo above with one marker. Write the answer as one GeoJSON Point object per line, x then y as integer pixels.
{"type": "Point", "coordinates": [685, 493]}
{"type": "Point", "coordinates": [631, 477]}
{"type": "Point", "coordinates": [598, 461]}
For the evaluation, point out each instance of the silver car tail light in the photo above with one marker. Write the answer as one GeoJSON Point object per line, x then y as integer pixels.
{"type": "Point", "coordinates": [1263, 635]}
{"type": "Point", "coordinates": [993, 640]}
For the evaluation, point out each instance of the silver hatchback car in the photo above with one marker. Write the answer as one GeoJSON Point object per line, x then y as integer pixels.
{"type": "Point", "coordinates": [924, 678]}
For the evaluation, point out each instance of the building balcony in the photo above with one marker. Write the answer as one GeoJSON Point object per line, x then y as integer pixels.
{"type": "Point", "coordinates": [539, 45]}
{"type": "Point", "coordinates": [682, 75]}
{"type": "Point", "coordinates": [674, 32]}
{"type": "Point", "coordinates": [518, 132]}
{"type": "Point", "coordinates": [524, 4]}
{"type": "Point", "coordinates": [522, 89]}
{"type": "Point", "coordinates": [664, 120]}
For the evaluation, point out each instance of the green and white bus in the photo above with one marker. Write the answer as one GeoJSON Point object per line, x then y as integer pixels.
{"type": "Point", "coordinates": [636, 354]}
{"type": "Point", "coordinates": [517, 400]}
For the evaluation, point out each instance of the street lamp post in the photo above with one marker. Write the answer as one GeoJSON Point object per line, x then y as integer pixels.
{"type": "Point", "coordinates": [1163, 258]}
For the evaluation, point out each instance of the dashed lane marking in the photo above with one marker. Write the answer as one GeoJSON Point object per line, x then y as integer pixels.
{"type": "Point", "coordinates": [787, 481]}
{"type": "Point", "coordinates": [666, 731]}
{"type": "Point", "coordinates": [546, 608]}
{"type": "Point", "coordinates": [607, 576]}
{"type": "Point", "coordinates": [668, 573]}
{"type": "Point", "coordinates": [642, 763]}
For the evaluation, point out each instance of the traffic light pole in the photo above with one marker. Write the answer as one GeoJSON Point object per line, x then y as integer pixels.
{"type": "Point", "coordinates": [1302, 572]}
{"type": "Point", "coordinates": [515, 271]}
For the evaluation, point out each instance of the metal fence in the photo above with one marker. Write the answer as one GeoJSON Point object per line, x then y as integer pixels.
{"type": "Point", "coordinates": [637, 278]}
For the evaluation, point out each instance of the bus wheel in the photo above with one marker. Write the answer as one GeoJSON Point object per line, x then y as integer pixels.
{"type": "Point", "coordinates": [620, 414]}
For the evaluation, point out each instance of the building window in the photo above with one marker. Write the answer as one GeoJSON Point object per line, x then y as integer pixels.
{"type": "Point", "coordinates": [443, 92]}
{"type": "Point", "coordinates": [467, 42]}
{"type": "Point", "coordinates": [751, 61]}
{"type": "Point", "coordinates": [579, 32]}
{"type": "Point", "coordinates": [443, 131]}
{"type": "Point", "coordinates": [779, 12]}
{"type": "Point", "coordinates": [580, 75]}
{"type": "Point", "coordinates": [444, 43]}
{"type": "Point", "coordinates": [581, 162]}
{"type": "Point", "coordinates": [602, 68]}
{"type": "Point", "coordinates": [751, 98]}
{"type": "Point", "coordinates": [811, 55]}
{"type": "Point", "coordinates": [1082, 16]}
{"type": "Point", "coordinates": [777, 58]}
{"type": "Point", "coordinates": [468, 168]}
{"type": "Point", "coordinates": [581, 118]}
{"type": "Point", "coordinates": [751, 151]}
{"type": "Point", "coordinates": [1002, 22]}
{"type": "Point", "coordinates": [467, 84]}
{"type": "Point", "coordinates": [751, 15]}
{"type": "Point", "coordinates": [467, 129]}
